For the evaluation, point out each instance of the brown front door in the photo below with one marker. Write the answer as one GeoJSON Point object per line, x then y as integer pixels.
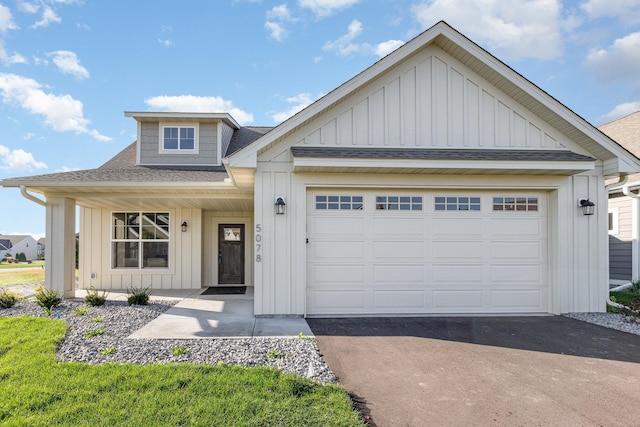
{"type": "Point", "coordinates": [231, 254]}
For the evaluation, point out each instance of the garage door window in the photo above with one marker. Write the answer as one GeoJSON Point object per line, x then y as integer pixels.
{"type": "Point", "coordinates": [398, 203]}
{"type": "Point", "coordinates": [457, 203]}
{"type": "Point", "coordinates": [341, 203]}
{"type": "Point", "coordinates": [522, 204]}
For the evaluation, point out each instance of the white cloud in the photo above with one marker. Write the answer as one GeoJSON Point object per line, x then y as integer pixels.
{"type": "Point", "coordinates": [18, 160]}
{"type": "Point", "coordinates": [276, 31]}
{"type": "Point", "coordinates": [68, 63]}
{"type": "Point", "coordinates": [61, 112]}
{"type": "Point", "coordinates": [385, 48]}
{"type": "Point", "coordinates": [166, 42]}
{"type": "Point", "coordinates": [619, 111]}
{"type": "Point", "coordinates": [344, 45]}
{"type": "Point", "coordinates": [281, 13]}
{"type": "Point", "coordinates": [324, 8]}
{"type": "Point", "coordinates": [7, 59]}
{"type": "Point", "coordinates": [621, 60]}
{"type": "Point", "coordinates": [48, 16]}
{"type": "Point", "coordinates": [6, 20]}
{"type": "Point", "coordinates": [628, 11]}
{"type": "Point", "coordinates": [300, 102]}
{"type": "Point", "coordinates": [512, 29]}
{"type": "Point", "coordinates": [27, 7]}
{"type": "Point", "coordinates": [82, 26]}
{"type": "Point", "coordinates": [66, 169]}
{"type": "Point", "coordinates": [198, 104]}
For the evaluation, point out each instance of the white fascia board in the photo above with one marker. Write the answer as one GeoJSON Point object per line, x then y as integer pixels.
{"type": "Point", "coordinates": [33, 185]}
{"type": "Point", "coordinates": [330, 163]}
{"type": "Point", "coordinates": [163, 115]}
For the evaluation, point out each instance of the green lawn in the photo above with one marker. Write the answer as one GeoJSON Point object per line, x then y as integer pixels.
{"type": "Point", "coordinates": [624, 297]}
{"type": "Point", "coordinates": [6, 265]}
{"type": "Point", "coordinates": [35, 390]}
{"type": "Point", "coordinates": [22, 277]}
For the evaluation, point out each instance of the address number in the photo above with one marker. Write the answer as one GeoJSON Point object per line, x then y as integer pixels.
{"type": "Point", "coordinates": [258, 244]}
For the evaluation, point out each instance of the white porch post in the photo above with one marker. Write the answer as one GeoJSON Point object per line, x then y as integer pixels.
{"type": "Point", "coordinates": [61, 246]}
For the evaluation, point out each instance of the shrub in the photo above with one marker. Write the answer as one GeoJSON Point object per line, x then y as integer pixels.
{"type": "Point", "coordinates": [8, 299]}
{"type": "Point", "coordinates": [48, 299]}
{"type": "Point", "coordinates": [179, 350]}
{"type": "Point", "coordinates": [635, 286]}
{"type": "Point", "coordinates": [94, 299]}
{"type": "Point", "coordinates": [108, 350]}
{"type": "Point", "coordinates": [138, 296]}
{"type": "Point", "coordinates": [80, 310]}
{"type": "Point", "coordinates": [93, 332]}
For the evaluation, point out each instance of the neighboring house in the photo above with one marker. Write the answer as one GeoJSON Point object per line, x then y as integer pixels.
{"type": "Point", "coordinates": [624, 205]}
{"type": "Point", "coordinates": [438, 180]}
{"type": "Point", "coordinates": [42, 243]}
{"type": "Point", "coordinates": [14, 244]}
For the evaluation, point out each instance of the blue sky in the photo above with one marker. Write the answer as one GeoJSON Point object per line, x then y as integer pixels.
{"type": "Point", "coordinates": [69, 68]}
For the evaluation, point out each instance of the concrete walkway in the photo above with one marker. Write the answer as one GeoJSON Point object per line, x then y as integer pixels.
{"type": "Point", "coordinates": [215, 316]}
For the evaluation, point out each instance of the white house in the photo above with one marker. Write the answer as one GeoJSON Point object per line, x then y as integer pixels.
{"type": "Point", "coordinates": [624, 205]}
{"type": "Point", "coordinates": [14, 244]}
{"type": "Point", "coordinates": [438, 180]}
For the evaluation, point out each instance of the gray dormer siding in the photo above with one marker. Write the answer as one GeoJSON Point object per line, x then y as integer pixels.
{"type": "Point", "coordinates": [151, 154]}
{"type": "Point", "coordinates": [227, 133]}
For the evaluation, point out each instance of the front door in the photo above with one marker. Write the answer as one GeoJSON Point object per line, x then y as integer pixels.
{"type": "Point", "coordinates": [231, 254]}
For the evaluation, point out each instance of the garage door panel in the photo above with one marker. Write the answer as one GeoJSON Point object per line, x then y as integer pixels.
{"type": "Point", "coordinates": [331, 273]}
{"type": "Point", "coordinates": [457, 250]}
{"type": "Point", "coordinates": [518, 273]}
{"type": "Point", "coordinates": [458, 300]}
{"type": "Point", "coordinates": [403, 250]}
{"type": "Point", "coordinates": [398, 226]}
{"type": "Point", "coordinates": [456, 273]}
{"type": "Point", "coordinates": [338, 226]}
{"type": "Point", "coordinates": [399, 274]}
{"type": "Point", "coordinates": [531, 250]}
{"type": "Point", "coordinates": [325, 250]}
{"type": "Point", "coordinates": [399, 301]}
{"type": "Point", "coordinates": [338, 301]}
{"type": "Point", "coordinates": [460, 227]}
{"type": "Point", "coordinates": [516, 228]}
{"type": "Point", "coordinates": [518, 300]}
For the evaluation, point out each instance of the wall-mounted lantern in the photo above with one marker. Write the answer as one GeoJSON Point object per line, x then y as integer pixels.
{"type": "Point", "coordinates": [279, 205]}
{"type": "Point", "coordinates": [588, 207]}
{"type": "Point", "coordinates": [184, 226]}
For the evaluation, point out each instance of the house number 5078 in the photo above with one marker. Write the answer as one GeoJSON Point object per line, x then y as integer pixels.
{"type": "Point", "coordinates": [258, 242]}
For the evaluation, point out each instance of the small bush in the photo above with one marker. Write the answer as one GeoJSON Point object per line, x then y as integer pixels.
{"type": "Point", "coordinates": [109, 350]}
{"type": "Point", "coordinates": [635, 286]}
{"type": "Point", "coordinates": [93, 332]}
{"type": "Point", "coordinates": [8, 299]}
{"type": "Point", "coordinates": [94, 299]}
{"type": "Point", "coordinates": [80, 310]}
{"type": "Point", "coordinates": [96, 319]}
{"type": "Point", "coordinates": [179, 351]}
{"type": "Point", "coordinates": [138, 296]}
{"type": "Point", "coordinates": [48, 299]}
{"type": "Point", "coordinates": [275, 354]}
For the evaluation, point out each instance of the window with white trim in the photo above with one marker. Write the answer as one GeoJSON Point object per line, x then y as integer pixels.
{"type": "Point", "coordinates": [140, 240]}
{"type": "Point", "coordinates": [614, 218]}
{"type": "Point", "coordinates": [398, 203]}
{"type": "Point", "coordinates": [522, 204]}
{"type": "Point", "coordinates": [456, 203]}
{"type": "Point", "coordinates": [341, 202]}
{"type": "Point", "coordinates": [177, 138]}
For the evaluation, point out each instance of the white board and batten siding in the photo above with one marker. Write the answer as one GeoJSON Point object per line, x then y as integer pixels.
{"type": "Point", "coordinates": [433, 101]}
{"type": "Point", "coordinates": [378, 261]}
{"type": "Point", "coordinates": [185, 254]}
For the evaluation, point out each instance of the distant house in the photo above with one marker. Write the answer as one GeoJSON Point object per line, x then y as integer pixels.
{"type": "Point", "coordinates": [439, 180]}
{"type": "Point", "coordinates": [14, 244]}
{"type": "Point", "coordinates": [42, 243]}
{"type": "Point", "coordinates": [624, 205]}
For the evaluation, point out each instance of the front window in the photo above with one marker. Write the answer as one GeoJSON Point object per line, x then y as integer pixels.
{"type": "Point", "coordinates": [140, 240]}
{"type": "Point", "coordinates": [180, 138]}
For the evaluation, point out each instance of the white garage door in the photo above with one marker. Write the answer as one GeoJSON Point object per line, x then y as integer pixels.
{"type": "Point", "coordinates": [398, 252]}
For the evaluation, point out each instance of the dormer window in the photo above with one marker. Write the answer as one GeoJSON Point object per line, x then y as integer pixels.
{"type": "Point", "coordinates": [179, 138]}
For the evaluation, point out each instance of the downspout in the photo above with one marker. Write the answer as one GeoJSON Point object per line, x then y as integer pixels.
{"type": "Point", "coordinates": [23, 191]}
{"type": "Point", "coordinates": [622, 182]}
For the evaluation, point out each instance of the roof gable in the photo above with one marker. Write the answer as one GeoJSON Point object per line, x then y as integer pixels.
{"type": "Point", "coordinates": [541, 118]}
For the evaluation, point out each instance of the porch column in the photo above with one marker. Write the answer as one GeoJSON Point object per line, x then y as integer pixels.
{"type": "Point", "coordinates": [60, 251]}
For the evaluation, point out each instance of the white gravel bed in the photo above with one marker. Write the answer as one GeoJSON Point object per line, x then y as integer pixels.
{"type": "Point", "coordinates": [119, 320]}
{"type": "Point", "coordinates": [616, 321]}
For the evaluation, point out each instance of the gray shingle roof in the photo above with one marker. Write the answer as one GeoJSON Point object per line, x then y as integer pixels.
{"type": "Point", "coordinates": [122, 167]}
{"type": "Point", "coordinates": [439, 154]}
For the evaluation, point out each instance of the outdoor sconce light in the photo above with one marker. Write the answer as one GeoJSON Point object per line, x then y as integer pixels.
{"type": "Point", "coordinates": [279, 206]}
{"type": "Point", "coordinates": [184, 226]}
{"type": "Point", "coordinates": [588, 207]}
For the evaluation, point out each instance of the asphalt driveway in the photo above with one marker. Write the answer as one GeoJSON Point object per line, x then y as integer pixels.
{"type": "Point", "coordinates": [462, 371]}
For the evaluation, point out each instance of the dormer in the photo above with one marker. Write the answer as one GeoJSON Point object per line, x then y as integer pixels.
{"type": "Point", "coordinates": [182, 139]}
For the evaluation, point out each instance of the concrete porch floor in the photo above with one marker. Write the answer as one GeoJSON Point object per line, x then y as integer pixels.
{"type": "Point", "coordinates": [211, 316]}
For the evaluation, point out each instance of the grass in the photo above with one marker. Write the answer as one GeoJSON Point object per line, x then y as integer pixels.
{"type": "Point", "coordinates": [625, 297]}
{"type": "Point", "coordinates": [36, 390]}
{"type": "Point", "coordinates": [6, 265]}
{"type": "Point", "coordinates": [26, 277]}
